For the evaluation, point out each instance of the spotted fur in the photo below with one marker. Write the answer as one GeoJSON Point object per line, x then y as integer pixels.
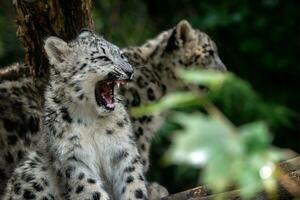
{"type": "Point", "coordinates": [85, 151]}
{"type": "Point", "coordinates": [155, 65]}
{"type": "Point", "coordinates": [154, 62]}
{"type": "Point", "coordinates": [20, 108]}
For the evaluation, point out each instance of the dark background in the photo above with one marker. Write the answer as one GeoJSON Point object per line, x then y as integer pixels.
{"type": "Point", "coordinates": [258, 40]}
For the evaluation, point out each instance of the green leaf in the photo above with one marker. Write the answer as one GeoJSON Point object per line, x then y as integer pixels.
{"type": "Point", "coordinates": [255, 136]}
{"type": "Point", "coordinates": [175, 100]}
{"type": "Point", "coordinates": [209, 78]}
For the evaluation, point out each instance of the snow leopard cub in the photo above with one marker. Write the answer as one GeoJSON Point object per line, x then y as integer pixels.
{"type": "Point", "coordinates": [87, 148]}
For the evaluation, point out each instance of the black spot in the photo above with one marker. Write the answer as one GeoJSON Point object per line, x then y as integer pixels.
{"type": "Point", "coordinates": [141, 177]}
{"type": "Point", "coordinates": [81, 96]}
{"type": "Point", "coordinates": [83, 66]}
{"type": "Point", "coordinates": [59, 173]}
{"type": "Point", "coordinates": [140, 82]}
{"type": "Point", "coordinates": [12, 139]}
{"type": "Point", "coordinates": [164, 89]}
{"type": "Point", "coordinates": [129, 179]}
{"type": "Point", "coordinates": [44, 168]}
{"type": "Point", "coordinates": [139, 132]}
{"type": "Point", "coordinates": [129, 169]}
{"type": "Point", "coordinates": [96, 195]}
{"type": "Point", "coordinates": [37, 187]}
{"type": "Point", "coordinates": [143, 147]}
{"type": "Point", "coordinates": [74, 137]}
{"type": "Point", "coordinates": [126, 120]}
{"type": "Point", "coordinates": [2, 174]}
{"type": "Point", "coordinates": [103, 50]}
{"type": "Point", "coordinates": [28, 177]}
{"type": "Point", "coordinates": [123, 190]}
{"type": "Point", "coordinates": [91, 181]}
{"type": "Point", "coordinates": [27, 141]}
{"type": "Point", "coordinates": [69, 188]}
{"type": "Point", "coordinates": [20, 154]}
{"type": "Point", "coordinates": [77, 88]}
{"type": "Point", "coordinates": [81, 176]}
{"type": "Point", "coordinates": [66, 115]}
{"type": "Point", "coordinates": [79, 189]}
{"type": "Point", "coordinates": [45, 198]}
{"type": "Point", "coordinates": [136, 98]}
{"type": "Point", "coordinates": [9, 125]}
{"type": "Point", "coordinates": [139, 194]}
{"type": "Point", "coordinates": [32, 164]}
{"type": "Point", "coordinates": [45, 182]}
{"type": "Point", "coordinates": [69, 171]}
{"type": "Point", "coordinates": [151, 95]}
{"type": "Point", "coordinates": [136, 160]}
{"type": "Point", "coordinates": [28, 194]}
{"type": "Point", "coordinates": [34, 124]}
{"type": "Point", "coordinates": [56, 100]}
{"type": "Point", "coordinates": [142, 119]}
{"type": "Point", "coordinates": [121, 155]}
{"type": "Point", "coordinates": [109, 132]}
{"type": "Point", "coordinates": [9, 158]}
{"type": "Point", "coordinates": [120, 124]}
{"type": "Point", "coordinates": [17, 188]}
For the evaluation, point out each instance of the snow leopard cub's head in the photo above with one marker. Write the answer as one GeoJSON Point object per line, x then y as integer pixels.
{"type": "Point", "coordinates": [89, 68]}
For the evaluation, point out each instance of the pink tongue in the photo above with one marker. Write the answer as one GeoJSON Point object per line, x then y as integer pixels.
{"type": "Point", "coordinates": [108, 98]}
{"type": "Point", "coordinates": [109, 103]}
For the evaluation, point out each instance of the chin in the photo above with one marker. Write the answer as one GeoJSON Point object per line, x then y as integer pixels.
{"type": "Point", "coordinates": [102, 111]}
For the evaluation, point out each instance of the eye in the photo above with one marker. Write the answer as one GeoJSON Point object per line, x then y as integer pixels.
{"type": "Point", "coordinates": [211, 52]}
{"type": "Point", "coordinates": [104, 58]}
{"type": "Point", "coordinates": [123, 56]}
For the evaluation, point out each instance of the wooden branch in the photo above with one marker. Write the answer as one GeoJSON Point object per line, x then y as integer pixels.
{"type": "Point", "coordinates": [288, 187]}
{"type": "Point", "coordinates": [37, 19]}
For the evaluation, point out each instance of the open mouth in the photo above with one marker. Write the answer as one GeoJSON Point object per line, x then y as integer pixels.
{"type": "Point", "coordinates": [104, 92]}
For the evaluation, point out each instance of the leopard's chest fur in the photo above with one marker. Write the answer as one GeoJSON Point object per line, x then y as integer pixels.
{"type": "Point", "coordinates": [101, 139]}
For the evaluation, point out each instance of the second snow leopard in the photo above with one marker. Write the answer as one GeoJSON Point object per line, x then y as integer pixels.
{"type": "Point", "coordinates": [87, 148]}
{"type": "Point", "coordinates": [155, 63]}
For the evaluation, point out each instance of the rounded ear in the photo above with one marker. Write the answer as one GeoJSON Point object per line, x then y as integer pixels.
{"type": "Point", "coordinates": [181, 34]}
{"type": "Point", "coordinates": [56, 49]}
{"type": "Point", "coordinates": [184, 31]}
{"type": "Point", "coordinates": [85, 32]}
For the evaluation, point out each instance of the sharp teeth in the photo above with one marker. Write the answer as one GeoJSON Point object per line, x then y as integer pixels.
{"type": "Point", "coordinates": [118, 84]}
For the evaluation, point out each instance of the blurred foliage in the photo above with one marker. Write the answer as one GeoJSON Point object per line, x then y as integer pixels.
{"type": "Point", "coordinates": [231, 156]}
{"type": "Point", "coordinates": [10, 47]}
{"type": "Point", "coordinates": [257, 40]}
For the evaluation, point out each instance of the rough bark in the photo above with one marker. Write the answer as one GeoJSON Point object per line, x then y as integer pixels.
{"type": "Point", "coordinates": [37, 19]}
{"type": "Point", "coordinates": [288, 187]}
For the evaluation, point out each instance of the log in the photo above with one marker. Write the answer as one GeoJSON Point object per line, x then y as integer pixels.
{"type": "Point", "coordinates": [288, 187]}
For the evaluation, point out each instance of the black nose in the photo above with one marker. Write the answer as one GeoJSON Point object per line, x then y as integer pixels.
{"type": "Point", "coordinates": [129, 73]}
{"type": "Point", "coordinates": [127, 69]}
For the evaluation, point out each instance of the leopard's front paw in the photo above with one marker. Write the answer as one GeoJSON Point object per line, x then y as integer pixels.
{"type": "Point", "coordinates": [156, 191]}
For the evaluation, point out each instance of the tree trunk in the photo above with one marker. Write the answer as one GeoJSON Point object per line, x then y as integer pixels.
{"type": "Point", "coordinates": [37, 19]}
